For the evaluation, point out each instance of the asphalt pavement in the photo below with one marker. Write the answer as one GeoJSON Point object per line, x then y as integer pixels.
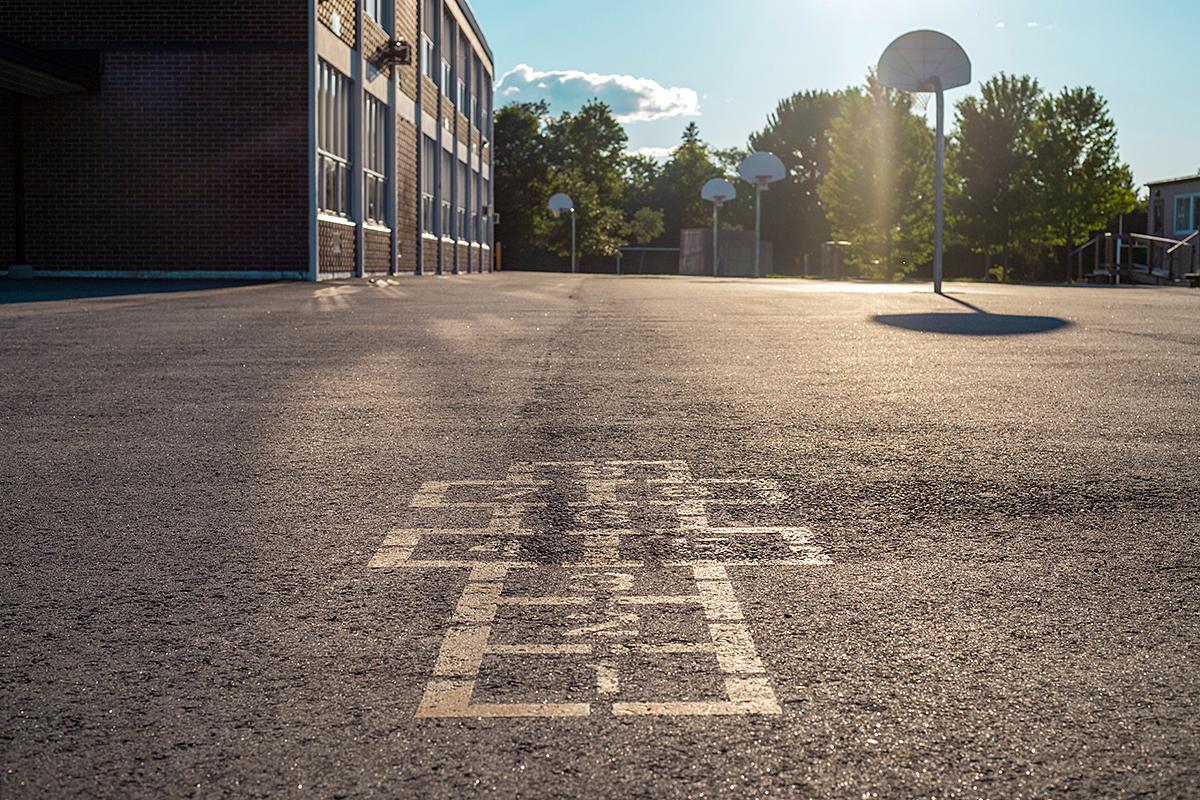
{"type": "Point", "coordinates": [534, 535]}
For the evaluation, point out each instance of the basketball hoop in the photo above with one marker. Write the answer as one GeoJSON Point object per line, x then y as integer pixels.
{"type": "Point", "coordinates": [928, 63]}
{"type": "Point", "coordinates": [761, 169]}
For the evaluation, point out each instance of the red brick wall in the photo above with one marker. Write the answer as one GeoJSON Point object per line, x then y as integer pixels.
{"type": "Point", "coordinates": [406, 27]}
{"type": "Point", "coordinates": [7, 244]}
{"type": "Point", "coordinates": [346, 10]}
{"type": "Point", "coordinates": [377, 251]}
{"type": "Point", "coordinates": [431, 255]}
{"type": "Point", "coordinates": [407, 204]}
{"type": "Point", "coordinates": [97, 24]}
{"type": "Point", "coordinates": [429, 97]}
{"type": "Point", "coordinates": [337, 247]}
{"type": "Point", "coordinates": [374, 38]}
{"type": "Point", "coordinates": [183, 160]}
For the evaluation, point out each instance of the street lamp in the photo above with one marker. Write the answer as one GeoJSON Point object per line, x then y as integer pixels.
{"type": "Point", "coordinates": [761, 170]}
{"type": "Point", "coordinates": [560, 204]}
{"type": "Point", "coordinates": [928, 61]}
{"type": "Point", "coordinates": [718, 191]}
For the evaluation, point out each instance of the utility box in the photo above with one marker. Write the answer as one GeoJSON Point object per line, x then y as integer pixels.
{"type": "Point", "coordinates": [735, 256]}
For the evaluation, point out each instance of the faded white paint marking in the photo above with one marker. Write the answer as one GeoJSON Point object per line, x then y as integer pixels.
{"type": "Point", "coordinates": [603, 617]}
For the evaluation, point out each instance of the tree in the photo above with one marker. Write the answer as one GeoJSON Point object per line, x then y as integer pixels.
{"type": "Point", "coordinates": [799, 133]}
{"type": "Point", "coordinates": [645, 226]}
{"type": "Point", "coordinates": [990, 169]}
{"type": "Point", "coordinates": [522, 174]}
{"type": "Point", "coordinates": [641, 173]}
{"type": "Point", "coordinates": [677, 189]}
{"type": "Point", "coordinates": [1080, 182]}
{"type": "Point", "coordinates": [586, 153]}
{"type": "Point", "coordinates": [878, 188]}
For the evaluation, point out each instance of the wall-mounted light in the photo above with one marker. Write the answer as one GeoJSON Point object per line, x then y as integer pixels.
{"type": "Point", "coordinates": [397, 52]}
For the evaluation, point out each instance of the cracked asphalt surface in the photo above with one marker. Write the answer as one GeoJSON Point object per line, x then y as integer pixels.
{"type": "Point", "coordinates": [1004, 483]}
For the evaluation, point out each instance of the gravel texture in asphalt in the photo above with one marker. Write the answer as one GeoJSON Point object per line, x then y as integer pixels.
{"type": "Point", "coordinates": [524, 535]}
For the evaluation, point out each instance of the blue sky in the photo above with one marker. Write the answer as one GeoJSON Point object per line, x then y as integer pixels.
{"type": "Point", "coordinates": [724, 65]}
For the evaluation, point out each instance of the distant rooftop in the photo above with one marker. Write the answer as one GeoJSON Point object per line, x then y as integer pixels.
{"type": "Point", "coordinates": [1182, 179]}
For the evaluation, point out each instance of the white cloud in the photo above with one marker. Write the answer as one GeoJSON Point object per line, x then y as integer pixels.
{"type": "Point", "coordinates": [653, 152]}
{"type": "Point", "coordinates": [631, 99]}
{"type": "Point", "coordinates": [1000, 25]}
{"type": "Point", "coordinates": [1032, 25]}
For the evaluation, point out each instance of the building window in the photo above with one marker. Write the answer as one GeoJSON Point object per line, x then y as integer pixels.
{"type": "Point", "coordinates": [460, 201]}
{"type": "Point", "coordinates": [375, 160]}
{"type": "Point", "coordinates": [446, 77]}
{"type": "Point", "coordinates": [487, 202]}
{"type": "Point", "coordinates": [447, 184]}
{"type": "Point", "coordinates": [461, 102]}
{"type": "Point", "coordinates": [428, 183]}
{"type": "Point", "coordinates": [427, 59]}
{"type": "Point", "coordinates": [1187, 213]}
{"type": "Point", "coordinates": [333, 141]}
{"type": "Point", "coordinates": [374, 9]}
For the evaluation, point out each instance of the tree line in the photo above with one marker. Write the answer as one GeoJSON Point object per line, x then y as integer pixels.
{"type": "Point", "coordinates": [1030, 175]}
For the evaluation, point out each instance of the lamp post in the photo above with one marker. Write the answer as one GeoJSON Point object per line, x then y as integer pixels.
{"type": "Point", "coordinates": [559, 204]}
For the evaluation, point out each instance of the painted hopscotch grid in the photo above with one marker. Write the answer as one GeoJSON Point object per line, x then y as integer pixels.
{"type": "Point", "coordinates": [599, 531]}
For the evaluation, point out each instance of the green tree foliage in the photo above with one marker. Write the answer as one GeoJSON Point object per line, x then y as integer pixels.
{"type": "Point", "coordinates": [799, 133]}
{"type": "Point", "coordinates": [522, 175]}
{"type": "Point", "coordinates": [586, 152]}
{"type": "Point", "coordinates": [641, 173]}
{"type": "Point", "coordinates": [1026, 172]}
{"type": "Point", "coordinates": [677, 188]}
{"type": "Point", "coordinates": [990, 175]}
{"type": "Point", "coordinates": [645, 226]}
{"type": "Point", "coordinates": [1080, 182]}
{"type": "Point", "coordinates": [878, 189]}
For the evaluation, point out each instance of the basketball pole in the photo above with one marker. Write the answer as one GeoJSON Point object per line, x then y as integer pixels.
{"type": "Point", "coordinates": [716, 228]}
{"type": "Point", "coordinates": [940, 188]}
{"type": "Point", "coordinates": [758, 193]}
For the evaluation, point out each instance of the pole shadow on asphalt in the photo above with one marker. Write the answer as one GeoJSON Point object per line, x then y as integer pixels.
{"type": "Point", "coordinates": [978, 322]}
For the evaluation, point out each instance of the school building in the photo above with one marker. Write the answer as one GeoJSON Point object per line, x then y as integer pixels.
{"type": "Point", "coordinates": [302, 140]}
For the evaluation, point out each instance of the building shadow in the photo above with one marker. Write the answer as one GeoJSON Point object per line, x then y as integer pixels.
{"type": "Point", "coordinates": [48, 290]}
{"type": "Point", "coordinates": [976, 322]}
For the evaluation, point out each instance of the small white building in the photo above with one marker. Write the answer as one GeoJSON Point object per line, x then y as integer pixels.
{"type": "Point", "coordinates": [1175, 206]}
{"type": "Point", "coordinates": [1175, 214]}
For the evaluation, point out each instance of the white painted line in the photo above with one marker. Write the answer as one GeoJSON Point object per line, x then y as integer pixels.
{"type": "Point", "coordinates": [607, 621]}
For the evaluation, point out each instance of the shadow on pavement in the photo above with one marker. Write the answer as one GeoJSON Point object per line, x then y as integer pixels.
{"type": "Point", "coordinates": [979, 323]}
{"type": "Point", "coordinates": [54, 289]}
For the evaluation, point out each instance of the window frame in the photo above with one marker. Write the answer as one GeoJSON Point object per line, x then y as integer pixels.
{"type": "Point", "coordinates": [1192, 214]}
{"type": "Point", "coordinates": [375, 182]}
{"type": "Point", "coordinates": [446, 186]}
{"type": "Point", "coordinates": [333, 141]}
{"type": "Point", "coordinates": [429, 155]}
{"type": "Point", "coordinates": [375, 10]}
{"type": "Point", "coordinates": [428, 58]}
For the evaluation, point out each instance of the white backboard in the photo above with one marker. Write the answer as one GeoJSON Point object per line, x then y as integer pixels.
{"type": "Point", "coordinates": [718, 191]}
{"type": "Point", "coordinates": [915, 61]}
{"type": "Point", "coordinates": [561, 203]}
{"type": "Point", "coordinates": [762, 168]}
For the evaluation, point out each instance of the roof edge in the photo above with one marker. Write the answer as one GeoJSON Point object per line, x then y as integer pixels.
{"type": "Point", "coordinates": [469, 13]}
{"type": "Point", "coordinates": [1181, 179]}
